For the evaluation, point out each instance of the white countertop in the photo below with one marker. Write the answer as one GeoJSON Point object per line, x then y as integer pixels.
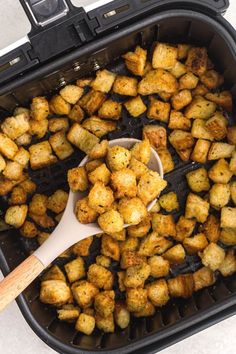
{"type": "Point", "coordinates": [16, 337]}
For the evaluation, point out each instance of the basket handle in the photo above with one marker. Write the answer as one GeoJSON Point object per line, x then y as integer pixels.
{"type": "Point", "coordinates": [19, 279]}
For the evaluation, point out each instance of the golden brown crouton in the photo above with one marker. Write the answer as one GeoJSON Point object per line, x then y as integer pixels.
{"type": "Point", "coordinates": [84, 293]}
{"type": "Point", "coordinates": [121, 315]}
{"type": "Point", "coordinates": [202, 278]}
{"type": "Point", "coordinates": [81, 138]}
{"type": "Point", "coordinates": [61, 145]}
{"type": "Point", "coordinates": [156, 135]}
{"type": "Point", "coordinates": [20, 110]}
{"type": "Point", "coordinates": [184, 154]}
{"type": "Point", "coordinates": [41, 155]}
{"type": "Point", "coordinates": [150, 186]}
{"type": "Point", "coordinates": [188, 81]}
{"type": "Point", "coordinates": [197, 208]}
{"type": "Point", "coordinates": [181, 99]}
{"type": "Point", "coordinates": [2, 163]}
{"type": "Point", "coordinates": [13, 170]}
{"type": "Point", "coordinates": [16, 215]}
{"type": "Point", "coordinates": [98, 126]}
{"type": "Point", "coordinates": [84, 81]}
{"type": "Point", "coordinates": [163, 224]}
{"type": "Point", "coordinates": [136, 61]}
{"type": "Point", "coordinates": [232, 164]}
{"type": "Point", "coordinates": [141, 229]}
{"type": "Point", "coordinates": [54, 273]}
{"type": "Point", "coordinates": [110, 247]}
{"type": "Point", "coordinates": [44, 220]}
{"type": "Point", "coordinates": [24, 139]}
{"type": "Point", "coordinates": [111, 221]}
{"type": "Point", "coordinates": [104, 81]}
{"type": "Point", "coordinates": [195, 244]}
{"type": "Point", "coordinates": [153, 244]}
{"type": "Point", "coordinates": [92, 101]}
{"type": "Point", "coordinates": [105, 324]}
{"type": "Point", "coordinates": [76, 114]}
{"type": "Point", "coordinates": [166, 159]}
{"type": "Point", "coordinates": [228, 217]}
{"type": "Point", "coordinates": [231, 135]}
{"type": "Point", "coordinates": [169, 202]}
{"type": "Point", "coordinates": [29, 229]}
{"type": "Point", "coordinates": [110, 110]}
{"type": "Point", "coordinates": [84, 213]}
{"type": "Point", "coordinates": [148, 310]}
{"type": "Point", "coordinates": [228, 236]}
{"type": "Point", "coordinates": [57, 124]}
{"type": "Point", "coordinates": [136, 299]}
{"type": "Point", "coordinates": [81, 248]}
{"type": "Point", "coordinates": [129, 244]}
{"type": "Point", "coordinates": [179, 121]}
{"type": "Point", "coordinates": [77, 179]}
{"type": "Point", "coordinates": [100, 197]}
{"type": "Point", "coordinates": [223, 99]}
{"type": "Point", "coordinates": [135, 276]}
{"type": "Point", "coordinates": [99, 150]}
{"type": "Point", "coordinates": [220, 151]}
{"type": "Point", "coordinates": [59, 106]}
{"type": "Point", "coordinates": [132, 210]}
{"type": "Point", "coordinates": [219, 195]}
{"type": "Point", "coordinates": [137, 167]}
{"type": "Point", "coordinates": [125, 85]}
{"type": "Point", "coordinates": [200, 90]}
{"type": "Point", "coordinates": [158, 292]}
{"type": "Point", "coordinates": [18, 196]}
{"type": "Point", "coordinates": [71, 93]}
{"type": "Point", "coordinates": [181, 286]}
{"type": "Point", "coordinates": [220, 172]}
{"type": "Point", "coordinates": [158, 110]}
{"type": "Point", "coordinates": [198, 180]}
{"type": "Point", "coordinates": [16, 126]}
{"type": "Point", "coordinates": [103, 261]}
{"type": "Point", "coordinates": [217, 126]}
{"type": "Point", "coordinates": [68, 313]}
{"type": "Point", "coordinates": [29, 186]}
{"type": "Point", "coordinates": [100, 174]}
{"type": "Point", "coordinates": [123, 183]}
{"type": "Point", "coordinates": [212, 79]}
{"type": "Point", "coordinates": [118, 158]}
{"type": "Point", "coordinates": [233, 191]}
{"type": "Point", "coordinates": [197, 60]}
{"type": "Point", "coordinates": [175, 255]}
{"type": "Point", "coordinates": [228, 266]}
{"type": "Point", "coordinates": [181, 140]}
{"type": "Point", "coordinates": [121, 277]}
{"type": "Point", "coordinates": [38, 204]}
{"type": "Point", "coordinates": [164, 56]}
{"type": "Point", "coordinates": [85, 324]}
{"type": "Point", "coordinates": [7, 146]}
{"type": "Point", "coordinates": [184, 228]}
{"type": "Point", "coordinates": [39, 108]}
{"type": "Point", "coordinates": [183, 50]}
{"type": "Point", "coordinates": [199, 130]}
{"type": "Point", "coordinates": [54, 292]}
{"type": "Point", "coordinates": [179, 69]}
{"type": "Point", "coordinates": [160, 267]}
{"type": "Point", "coordinates": [22, 157]}
{"type": "Point", "coordinates": [130, 258]}
{"type": "Point", "coordinates": [99, 276]}
{"type": "Point", "coordinates": [57, 201]}
{"type": "Point", "coordinates": [157, 81]}
{"type": "Point", "coordinates": [38, 128]}
{"type": "Point", "coordinates": [200, 151]}
{"type": "Point", "coordinates": [200, 108]}
{"type": "Point", "coordinates": [75, 269]}
{"type": "Point", "coordinates": [211, 228]}
{"type": "Point", "coordinates": [212, 256]}
{"type": "Point", "coordinates": [135, 106]}
{"type": "Point", "coordinates": [119, 236]}
{"type": "Point", "coordinates": [104, 303]}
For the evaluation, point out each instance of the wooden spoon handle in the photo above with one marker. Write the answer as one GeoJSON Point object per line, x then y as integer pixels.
{"type": "Point", "coordinates": [19, 279]}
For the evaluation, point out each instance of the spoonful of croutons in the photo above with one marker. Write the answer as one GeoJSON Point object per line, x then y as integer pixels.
{"type": "Point", "coordinates": [124, 180]}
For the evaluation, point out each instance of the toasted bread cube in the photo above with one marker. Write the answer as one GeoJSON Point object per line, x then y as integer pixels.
{"type": "Point", "coordinates": [163, 224]}
{"type": "Point", "coordinates": [54, 273]}
{"type": "Point", "coordinates": [61, 145]}
{"type": "Point", "coordinates": [76, 113]}
{"type": "Point", "coordinates": [100, 174]}
{"type": "Point", "coordinates": [199, 130]}
{"type": "Point", "coordinates": [136, 61]}
{"type": "Point", "coordinates": [22, 157]}
{"type": "Point", "coordinates": [203, 278]}
{"type": "Point", "coordinates": [58, 124]}
{"type": "Point", "coordinates": [119, 236]}
{"type": "Point", "coordinates": [81, 138]}
{"type": "Point", "coordinates": [200, 90]}
{"type": "Point", "coordinates": [20, 110]}
{"type": "Point", "coordinates": [99, 276]}
{"type": "Point", "coordinates": [75, 269]}
{"type": "Point", "coordinates": [92, 101]}
{"type": "Point", "coordinates": [121, 277]}
{"type": "Point", "coordinates": [217, 126]}
{"type": "Point", "coordinates": [39, 108]}
{"type": "Point", "coordinates": [135, 106]}
{"type": "Point", "coordinates": [200, 108]}
{"type": "Point", "coordinates": [220, 172]}
{"type": "Point", "coordinates": [219, 195]}
{"type": "Point", "coordinates": [42, 237]}
{"type": "Point", "coordinates": [126, 86]}
{"type": "Point", "coordinates": [98, 126]}
{"type": "Point", "coordinates": [232, 164]}
{"type": "Point", "coordinates": [13, 170]}
{"type": "Point", "coordinates": [200, 151]}
{"type": "Point", "coordinates": [188, 81]}
{"type": "Point", "coordinates": [195, 244]}
{"type": "Point", "coordinates": [41, 155]}
{"type": "Point", "coordinates": [99, 150]}
{"type": "Point", "coordinates": [29, 186]}
{"type": "Point", "coordinates": [157, 81]}
{"type": "Point", "coordinates": [44, 220]}
{"type": "Point", "coordinates": [118, 158]}
{"type": "Point", "coordinates": [184, 228]}
{"type": "Point", "coordinates": [68, 313]}
{"type": "Point", "coordinates": [110, 247]}
{"type": "Point", "coordinates": [148, 310]}
{"type": "Point", "coordinates": [160, 267]}
{"type": "Point", "coordinates": [100, 197]}
{"type": "Point", "coordinates": [197, 60]}
{"type": "Point", "coordinates": [104, 81]}
{"type": "Point", "coordinates": [54, 292]}
{"type": "Point", "coordinates": [183, 50]}
{"type": "Point", "coordinates": [181, 99]}
{"type": "Point", "coordinates": [38, 128]}
{"type": "Point", "coordinates": [181, 286]}
{"type": "Point", "coordinates": [166, 159]}
{"type": "Point", "coordinates": [198, 180]}
{"type": "Point", "coordinates": [57, 201]}
{"type": "Point", "coordinates": [197, 208]}
{"type": "Point", "coordinates": [103, 261]}
{"type": "Point", "coordinates": [84, 81]}
{"type": "Point", "coordinates": [158, 292]}
{"type": "Point", "coordinates": [105, 324]}
{"type": "Point", "coordinates": [184, 154]}
{"type": "Point", "coordinates": [124, 183]}
{"type": "Point", "coordinates": [81, 248]}
{"type": "Point", "coordinates": [231, 135]}
{"type": "Point", "coordinates": [153, 244]}
{"type": "Point", "coordinates": [212, 256]}
{"type": "Point", "coordinates": [2, 163]}
{"type": "Point", "coordinates": [228, 217]}
{"type": "Point", "coordinates": [130, 258]}
{"type": "Point", "coordinates": [29, 229]}
{"type": "Point", "coordinates": [228, 236]}
{"type": "Point", "coordinates": [24, 139]}
{"type": "Point", "coordinates": [129, 244]}
{"type": "Point", "coordinates": [71, 93]}
{"type": "Point", "coordinates": [142, 151]}
{"type": "Point", "coordinates": [6, 186]}
{"type": "Point", "coordinates": [110, 110]}
{"type": "Point", "coordinates": [211, 228]}
{"type": "Point", "coordinates": [77, 179]}
{"type": "Point", "coordinates": [136, 275]}
{"type": "Point", "coordinates": [158, 110]}
{"type": "Point", "coordinates": [175, 255]}
{"type": "Point", "coordinates": [169, 202]}
{"type": "Point", "coordinates": [220, 151]}
{"type": "Point", "coordinates": [150, 186]}
{"type": "Point", "coordinates": [132, 210]}
{"type": "Point", "coordinates": [111, 221]}
{"type": "Point", "coordinates": [7, 146]}
{"type": "Point", "coordinates": [165, 96]}
{"type": "Point", "coordinates": [121, 315]}
{"type": "Point", "coordinates": [137, 167]}
{"type": "Point", "coordinates": [16, 126]}
{"type": "Point", "coordinates": [104, 303]}
{"type": "Point", "coordinates": [179, 69]}
{"type": "Point", "coordinates": [179, 121]}
{"type": "Point", "coordinates": [164, 56]}
{"type": "Point", "coordinates": [18, 196]}
{"type": "Point", "coordinates": [16, 215]}
{"type": "Point", "coordinates": [233, 191]}
{"type": "Point", "coordinates": [84, 293]}
{"type": "Point", "coordinates": [212, 79]}
{"type": "Point", "coordinates": [84, 213]}
{"type": "Point", "coordinates": [38, 204]}
{"type": "Point", "coordinates": [156, 135]}
{"type": "Point", "coordinates": [136, 299]}
{"type": "Point", "coordinates": [181, 140]}
{"type": "Point", "coordinates": [141, 229]}
{"type": "Point", "coordinates": [59, 106]}
{"type": "Point", "coordinates": [228, 266]}
{"type": "Point", "coordinates": [223, 99]}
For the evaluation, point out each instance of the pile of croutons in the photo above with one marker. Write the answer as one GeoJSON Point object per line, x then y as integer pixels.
{"type": "Point", "coordinates": [178, 89]}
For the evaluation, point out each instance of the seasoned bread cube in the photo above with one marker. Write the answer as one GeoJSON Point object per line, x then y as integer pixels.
{"type": "Point", "coordinates": [105, 324]}
{"type": "Point", "coordinates": [150, 186]}
{"type": "Point", "coordinates": [160, 267]}
{"type": "Point", "coordinates": [211, 228]}
{"type": "Point", "coordinates": [136, 299]}
{"type": "Point", "coordinates": [16, 215]}
{"type": "Point", "coordinates": [130, 258]}
{"type": "Point", "coordinates": [188, 81]}
{"type": "Point", "coordinates": [110, 110]}
{"type": "Point", "coordinates": [76, 113]}
{"type": "Point", "coordinates": [84, 81]}
{"type": "Point", "coordinates": [198, 180]}
{"type": "Point", "coordinates": [7, 146]}
{"type": "Point", "coordinates": [195, 244]}
{"type": "Point", "coordinates": [141, 229]}
{"type": "Point", "coordinates": [68, 313]}
{"type": "Point", "coordinates": [183, 50]}
{"type": "Point", "coordinates": [231, 135]}
{"type": "Point", "coordinates": [175, 255]}
{"type": "Point", "coordinates": [38, 128]}
{"type": "Point", "coordinates": [104, 303]}
{"type": "Point", "coordinates": [212, 79]}
{"type": "Point", "coordinates": [77, 179]}
{"type": "Point", "coordinates": [220, 150]}
{"type": "Point", "coordinates": [157, 81]}
{"type": "Point", "coordinates": [164, 56]}
{"type": "Point", "coordinates": [121, 315]}
{"type": "Point", "coordinates": [136, 61]}
{"type": "Point", "coordinates": [200, 151]}
{"type": "Point", "coordinates": [158, 292]}
{"type": "Point", "coordinates": [219, 195]}
{"type": "Point", "coordinates": [81, 138]}
{"type": "Point", "coordinates": [71, 93]}
{"type": "Point", "coordinates": [179, 69]}
{"type": "Point", "coordinates": [100, 197]}
{"type": "Point", "coordinates": [110, 247]}
{"type": "Point", "coordinates": [202, 278]}
{"type": "Point", "coordinates": [100, 174]}
{"type": "Point", "coordinates": [92, 101]}
{"type": "Point", "coordinates": [84, 213]}
{"type": "Point", "coordinates": [184, 228]}
{"type": "Point", "coordinates": [16, 126]}
{"type": "Point", "coordinates": [200, 108]}
{"type": "Point", "coordinates": [232, 164]}
{"type": "Point", "coordinates": [200, 90]}
{"type": "Point", "coordinates": [223, 99]}
{"type": "Point", "coordinates": [119, 236]}
{"type": "Point", "coordinates": [118, 158]}
{"type": "Point", "coordinates": [142, 151]}
{"type": "Point", "coordinates": [129, 244]}
{"type": "Point", "coordinates": [41, 155]}
{"type": "Point", "coordinates": [57, 201]}
{"type": "Point", "coordinates": [199, 130]}
{"type": "Point", "coordinates": [169, 202]}
{"type": "Point", "coordinates": [75, 269]}
{"type": "Point", "coordinates": [181, 140]}
{"type": "Point", "coordinates": [228, 217]}
{"type": "Point", "coordinates": [54, 273]}
{"type": "Point", "coordinates": [132, 210]}
{"type": "Point", "coordinates": [104, 81]}
{"type": "Point", "coordinates": [21, 157]}
{"type": "Point", "coordinates": [158, 110]}
{"type": "Point", "coordinates": [217, 126]}
{"type": "Point", "coordinates": [137, 167]}
{"type": "Point", "coordinates": [29, 229]}
{"type": "Point", "coordinates": [24, 139]}
{"type": "Point", "coordinates": [233, 191]}
{"type": "Point", "coordinates": [57, 124]}
{"type": "Point", "coordinates": [18, 196]}
{"type": "Point", "coordinates": [13, 170]}
{"type": "Point", "coordinates": [228, 266]}
{"type": "Point", "coordinates": [228, 236]}
{"type": "Point", "coordinates": [181, 286]}
{"type": "Point", "coordinates": [2, 163]}
{"type": "Point", "coordinates": [179, 121]}
{"type": "Point", "coordinates": [84, 293]}
{"type": "Point", "coordinates": [99, 150]}
{"type": "Point", "coordinates": [39, 109]}
{"type": "Point", "coordinates": [163, 224]}
{"type": "Point", "coordinates": [54, 292]}
{"type": "Point", "coordinates": [153, 244]}
{"type": "Point", "coordinates": [121, 277]}
{"type": "Point", "coordinates": [135, 276]}
{"type": "Point", "coordinates": [184, 154]}
{"type": "Point", "coordinates": [197, 60]}
{"type": "Point", "coordinates": [38, 204]}
{"type": "Point", "coordinates": [44, 220]}
{"type": "Point", "coordinates": [220, 172]}
{"type": "Point", "coordinates": [81, 248]}
{"type": "Point", "coordinates": [135, 106]}
{"type": "Point", "coordinates": [123, 183]}
{"type": "Point", "coordinates": [103, 261]}
{"type": "Point", "coordinates": [98, 127]}
{"type": "Point", "coordinates": [126, 86]}
{"type": "Point", "coordinates": [148, 310]}
{"type": "Point", "coordinates": [197, 208]}
{"type": "Point", "coordinates": [111, 221]}
{"type": "Point", "coordinates": [166, 160]}
{"type": "Point", "coordinates": [99, 276]}
{"type": "Point", "coordinates": [59, 106]}
{"type": "Point", "coordinates": [212, 256]}
{"type": "Point", "coordinates": [61, 145]}
{"type": "Point", "coordinates": [29, 186]}
{"type": "Point", "coordinates": [181, 99]}
{"type": "Point", "coordinates": [42, 237]}
{"type": "Point", "coordinates": [156, 135]}
{"type": "Point", "coordinates": [20, 110]}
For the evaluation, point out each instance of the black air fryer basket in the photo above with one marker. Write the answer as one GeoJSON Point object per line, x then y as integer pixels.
{"type": "Point", "coordinates": [66, 44]}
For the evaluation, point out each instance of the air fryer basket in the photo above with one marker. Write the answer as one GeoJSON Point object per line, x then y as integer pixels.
{"type": "Point", "coordinates": [180, 318]}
